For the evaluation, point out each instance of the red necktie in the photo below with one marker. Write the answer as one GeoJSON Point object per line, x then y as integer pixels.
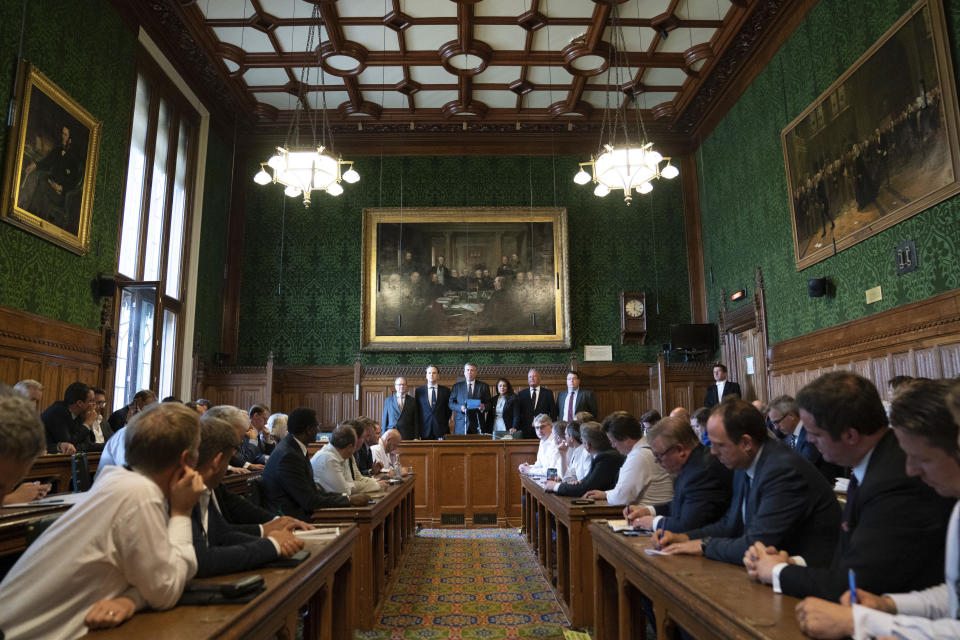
{"type": "Point", "coordinates": [570, 406]}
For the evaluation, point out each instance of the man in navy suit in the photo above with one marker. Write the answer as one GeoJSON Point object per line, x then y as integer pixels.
{"type": "Point", "coordinates": [222, 547]}
{"type": "Point", "coordinates": [893, 525]}
{"type": "Point", "coordinates": [400, 412]}
{"type": "Point", "coordinates": [469, 420]}
{"type": "Point", "coordinates": [701, 488]}
{"type": "Point", "coordinates": [288, 485]}
{"type": "Point", "coordinates": [532, 402]}
{"type": "Point", "coordinates": [582, 399]}
{"type": "Point", "coordinates": [779, 498]}
{"type": "Point", "coordinates": [723, 387]}
{"type": "Point", "coordinates": [784, 415]}
{"type": "Point", "coordinates": [433, 403]}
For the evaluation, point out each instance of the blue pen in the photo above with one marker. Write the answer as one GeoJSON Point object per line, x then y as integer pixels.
{"type": "Point", "coordinates": [659, 527]}
{"type": "Point", "coordinates": [853, 586]}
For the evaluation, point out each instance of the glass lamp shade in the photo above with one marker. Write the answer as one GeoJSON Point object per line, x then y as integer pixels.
{"type": "Point", "coordinates": [262, 177]}
{"type": "Point", "coordinates": [646, 187]}
{"type": "Point", "coordinates": [276, 161]}
{"type": "Point", "coordinates": [624, 168]}
{"type": "Point", "coordinates": [670, 172]}
{"type": "Point", "coordinates": [292, 191]}
{"type": "Point", "coordinates": [582, 177]}
{"type": "Point", "coordinates": [351, 176]}
{"type": "Point", "coordinates": [335, 189]}
{"type": "Point", "coordinates": [601, 190]}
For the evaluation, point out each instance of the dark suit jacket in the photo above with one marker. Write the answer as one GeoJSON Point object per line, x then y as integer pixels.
{"type": "Point", "coordinates": [603, 474]}
{"type": "Point", "coordinates": [288, 486]}
{"type": "Point", "coordinates": [60, 426]}
{"type": "Point", "coordinates": [407, 422]}
{"type": "Point", "coordinates": [435, 420]}
{"type": "Point", "coordinates": [473, 421]}
{"type": "Point", "coordinates": [701, 493]}
{"type": "Point", "coordinates": [729, 389]}
{"type": "Point", "coordinates": [586, 401]}
{"type": "Point", "coordinates": [249, 451]}
{"type": "Point", "coordinates": [364, 459]}
{"type": "Point", "coordinates": [242, 514]}
{"type": "Point", "coordinates": [893, 540]}
{"type": "Point", "coordinates": [809, 451]}
{"type": "Point", "coordinates": [509, 412]}
{"type": "Point", "coordinates": [221, 549]}
{"type": "Point", "coordinates": [118, 419]}
{"type": "Point", "coordinates": [525, 412]}
{"type": "Point", "coordinates": [266, 447]}
{"type": "Point", "coordinates": [789, 506]}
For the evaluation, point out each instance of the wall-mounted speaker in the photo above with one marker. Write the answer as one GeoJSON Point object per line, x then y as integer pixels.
{"type": "Point", "coordinates": [817, 287]}
{"type": "Point", "coordinates": [104, 286]}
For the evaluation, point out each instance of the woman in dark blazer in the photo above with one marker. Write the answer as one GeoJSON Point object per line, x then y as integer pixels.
{"type": "Point", "coordinates": [604, 469]}
{"type": "Point", "coordinates": [504, 405]}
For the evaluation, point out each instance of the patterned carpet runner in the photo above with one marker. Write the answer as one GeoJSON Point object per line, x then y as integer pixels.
{"type": "Point", "coordinates": [469, 583]}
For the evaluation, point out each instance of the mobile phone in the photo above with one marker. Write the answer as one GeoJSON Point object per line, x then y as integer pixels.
{"type": "Point", "coordinates": [628, 532]}
{"type": "Point", "coordinates": [582, 501]}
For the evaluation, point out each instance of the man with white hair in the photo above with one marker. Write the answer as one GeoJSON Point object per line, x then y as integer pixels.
{"type": "Point", "coordinates": [241, 422]}
{"type": "Point", "coordinates": [386, 452]}
{"type": "Point", "coordinates": [23, 440]}
{"type": "Point", "coordinates": [548, 456]}
{"type": "Point", "coordinates": [31, 390]}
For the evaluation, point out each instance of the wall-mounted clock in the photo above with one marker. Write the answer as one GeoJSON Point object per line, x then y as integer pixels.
{"type": "Point", "coordinates": [633, 318]}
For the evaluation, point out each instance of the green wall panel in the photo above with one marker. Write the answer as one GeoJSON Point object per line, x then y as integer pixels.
{"type": "Point", "coordinates": [213, 242]}
{"type": "Point", "coordinates": [745, 206]}
{"type": "Point", "coordinates": [305, 306]}
{"type": "Point", "coordinates": [85, 49]}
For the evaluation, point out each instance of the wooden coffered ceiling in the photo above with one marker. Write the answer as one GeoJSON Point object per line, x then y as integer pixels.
{"type": "Point", "coordinates": [468, 76]}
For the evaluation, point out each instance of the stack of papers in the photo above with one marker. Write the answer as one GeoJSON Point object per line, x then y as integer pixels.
{"type": "Point", "coordinates": [619, 525]}
{"type": "Point", "coordinates": [320, 533]}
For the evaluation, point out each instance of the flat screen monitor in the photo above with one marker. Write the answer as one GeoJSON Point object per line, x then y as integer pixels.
{"type": "Point", "coordinates": [694, 337]}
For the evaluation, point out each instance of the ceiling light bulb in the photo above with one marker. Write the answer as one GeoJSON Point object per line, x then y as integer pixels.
{"type": "Point", "coordinates": [670, 172]}
{"type": "Point", "coordinates": [292, 191]}
{"type": "Point", "coordinates": [582, 177]}
{"type": "Point", "coordinates": [645, 187]}
{"type": "Point", "coordinates": [351, 176]}
{"type": "Point", "coordinates": [335, 189]}
{"type": "Point", "coordinates": [601, 190]}
{"type": "Point", "coordinates": [262, 177]}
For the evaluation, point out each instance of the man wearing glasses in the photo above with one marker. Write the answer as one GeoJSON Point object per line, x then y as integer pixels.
{"type": "Point", "coordinates": [784, 415]}
{"type": "Point", "coordinates": [702, 485]}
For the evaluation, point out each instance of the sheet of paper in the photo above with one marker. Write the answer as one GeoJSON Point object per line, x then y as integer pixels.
{"type": "Point", "coordinates": [52, 501]}
{"type": "Point", "coordinates": [324, 532]}
{"type": "Point", "coordinates": [655, 552]}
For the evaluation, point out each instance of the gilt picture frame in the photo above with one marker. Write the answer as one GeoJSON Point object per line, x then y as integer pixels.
{"type": "Point", "coordinates": [457, 278]}
{"type": "Point", "coordinates": [880, 144]}
{"type": "Point", "coordinates": [51, 167]}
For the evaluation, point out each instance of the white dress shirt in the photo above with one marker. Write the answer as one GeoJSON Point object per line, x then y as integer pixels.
{"type": "Point", "coordinates": [114, 452]}
{"type": "Point", "coordinates": [720, 386]}
{"type": "Point", "coordinates": [641, 479]}
{"type": "Point", "coordinates": [331, 470]}
{"type": "Point", "coordinates": [548, 457]}
{"type": "Point", "coordinates": [389, 461]}
{"type": "Point", "coordinates": [578, 464]}
{"type": "Point", "coordinates": [117, 541]}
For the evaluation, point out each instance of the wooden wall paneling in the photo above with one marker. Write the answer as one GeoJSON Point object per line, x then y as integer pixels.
{"type": "Point", "coordinates": [419, 461]}
{"type": "Point", "coordinates": [452, 491]}
{"type": "Point", "coordinates": [512, 505]}
{"type": "Point", "coordinates": [950, 360]}
{"type": "Point", "coordinates": [916, 339]}
{"type": "Point", "coordinates": [485, 476]}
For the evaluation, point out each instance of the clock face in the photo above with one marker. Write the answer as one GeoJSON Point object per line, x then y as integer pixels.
{"type": "Point", "coordinates": [634, 308]}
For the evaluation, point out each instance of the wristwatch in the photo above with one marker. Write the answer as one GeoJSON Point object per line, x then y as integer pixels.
{"type": "Point", "coordinates": [703, 545]}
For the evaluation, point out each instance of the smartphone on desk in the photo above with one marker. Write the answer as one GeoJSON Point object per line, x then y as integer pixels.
{"type": "Point", "coordinates": [582, 501]}
{"type": "Point", "coordinates": [629, 532]}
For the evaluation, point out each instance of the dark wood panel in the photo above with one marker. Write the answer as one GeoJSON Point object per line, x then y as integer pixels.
{"type": "Point", "coordinates": [452, 492]}
{"type": "Point", "coordinates": [485, 475]}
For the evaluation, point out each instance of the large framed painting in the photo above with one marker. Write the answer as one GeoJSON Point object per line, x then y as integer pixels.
{"type": "Point", "coordinates": [51, 164]}
{"type": "Point", "coordinates": [465, 278]}
{"type": "Point", "coordinates": [878, 146]}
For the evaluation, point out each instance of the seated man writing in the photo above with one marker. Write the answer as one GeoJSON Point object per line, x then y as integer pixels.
{"type": "Point", "coordinates": [221, 547]}
{"type": "Point", "coordinates": [927, 433]}
{"type": "Point", "coordinates": [118, 550]}
{"type": "Point", "coordinates": [605, 463]}
{"type": "Point", "coordinates": [779, 498]}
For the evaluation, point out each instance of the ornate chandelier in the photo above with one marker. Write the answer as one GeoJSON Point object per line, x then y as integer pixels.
{"type": "Point", "coordinates": [622, 164]}
{"type": "Point", "coordinates": [304, 169]}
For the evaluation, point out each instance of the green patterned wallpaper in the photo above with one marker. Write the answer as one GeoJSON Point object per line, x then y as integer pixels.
{"type": "Point", "coordinates": [213, 243]}
{"type": "Point", "coordinates": [85, 49]}
{"type": "Point", "coordinates": [312, 315]}
{"type": "Point", "coordinates": [745, 207]}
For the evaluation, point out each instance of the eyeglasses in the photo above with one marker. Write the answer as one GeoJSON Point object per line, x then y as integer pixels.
{"type": "Point", "coordinates": [776, 423]}
{"type": "Point", "coordinates": [659, 456]}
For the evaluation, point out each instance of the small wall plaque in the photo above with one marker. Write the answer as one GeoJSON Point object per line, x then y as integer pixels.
{"type": "Point", "coordinates": [906, 256]}
{"type": "Point", "coordinates": [594, 352]}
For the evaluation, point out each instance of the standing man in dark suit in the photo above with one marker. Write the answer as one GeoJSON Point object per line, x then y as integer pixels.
{"type": "Point", "coordinates": [722, 388]}
{"type": "Point", "coordinates": [469, 420]}
{"type": "Point", "coordinates": [701, 488]}
{"type": "Point", "coordinates": [400, 412]}
{"type": "Point", "coordinates": [574, 399]}
{"type": "Point", "coordinates": [288, 485]}
{"type": "Point", "coordinates": [779, 498]}
{"type": "Point", "coordinates": [784, 415]}
{"type": "Point", "coordinates": [532, 402]}
{"type": "Point", "coordinates": [433, 402]}
{"type": "Point", "coordinates": [893, 525]}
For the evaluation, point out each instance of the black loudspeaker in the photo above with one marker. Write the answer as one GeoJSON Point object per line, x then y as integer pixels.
{"type": "Point", "coordinates": [104, 286]}
{"type": "Point", "coordinates": [817, 287]}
